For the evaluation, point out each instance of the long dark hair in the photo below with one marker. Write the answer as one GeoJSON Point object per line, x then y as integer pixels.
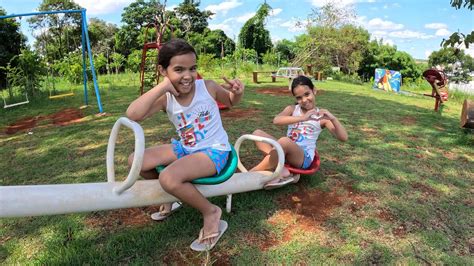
{"type": "Point", "coordinates": [173, 48]}
{"type": "Point", "coordinates": [301, 80]}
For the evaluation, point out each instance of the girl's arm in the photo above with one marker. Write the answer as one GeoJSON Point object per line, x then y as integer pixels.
{"type": "Point", "coordinates": [286, 118]}
{"type": "Point", "coordinates": [333, 125]}
{"type": "Point", "coordinates": [228, 94]}
{"type": "Point", "coordinates": [151, 102]}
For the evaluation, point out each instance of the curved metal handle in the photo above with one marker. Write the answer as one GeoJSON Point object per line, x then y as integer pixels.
{"type": "Point", "coordinates": [137, 158]}
{"type": "Point", "coordinates": [274, 143]}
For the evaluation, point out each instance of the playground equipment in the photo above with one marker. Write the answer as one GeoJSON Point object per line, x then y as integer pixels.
{"type": "Point", "coordinates": [438, 81]}
{"type": "Point", "coordinates": [5, 105]}
{"type": "Point", "coordinates": [85, 45]}
{"type": "Point", "coordinates": [290, 73]}
{"type": "Point", "coordinates": [313, 168]}
{"type": "Point", "coordinates": [33, 200]}
{"type": "Point", "coordinates": [155, 46]}
{"type": "Point", "coordinates": [387, 80]}
{"type": "Point", "coordinates": [467, 114]}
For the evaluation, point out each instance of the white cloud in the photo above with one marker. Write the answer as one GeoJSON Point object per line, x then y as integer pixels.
{"type": "Point", "coordinates": [275, 11]}
{"type": "Point", "coordinates": [245, 17]}
{"type": "Point", "coordinates": [104, 6]}
{"type": "Point", "coordinates": [436, 26]}
{"type": "Point", "coordinates": [223, 7]}
{"type": "Point", "coordinates": [469, 51]}
{"type": "Point", "coordinates": [226, 28]}
{"type": "Point", "coordinates": [170, 8]}
{"type": "Point", "coordinates": [428, 53]}
{"type": "Point", "coordinates": [380, 24]}
{"type": "Point", "coordinates": [292, 26]}
{"type": "Point", "coordinates": [442, 32]}
{"type": "Point", "coordinates": [320, 3]}
{"type": "Point", "coordinates": [408, 34]}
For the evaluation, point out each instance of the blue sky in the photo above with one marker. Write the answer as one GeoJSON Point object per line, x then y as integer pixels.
{"type": "Point", "coordinates": [414, 26]}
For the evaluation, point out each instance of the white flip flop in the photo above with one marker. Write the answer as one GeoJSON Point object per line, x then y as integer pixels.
{"type": "Point", "coordinates": [283, 182]}
{"type": "Point", "coordinates": [162, 215]}
{"type": "Point", "coordinates": [197, 244]}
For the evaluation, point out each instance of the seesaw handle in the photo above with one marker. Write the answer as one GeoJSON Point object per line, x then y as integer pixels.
{"type": "Point", "coordinates": [278, 148]}
{"type": "Point", "coordinates": [137, 158]}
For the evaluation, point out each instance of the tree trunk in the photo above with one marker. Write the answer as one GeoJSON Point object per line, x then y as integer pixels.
{"type": "Point", "coordinates": [467, 114]}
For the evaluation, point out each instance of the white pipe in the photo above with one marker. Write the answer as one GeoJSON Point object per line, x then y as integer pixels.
{"type": "Point", "coordinates": [137, 158]}
{"type": "Point", "coordinates": [20, 201]}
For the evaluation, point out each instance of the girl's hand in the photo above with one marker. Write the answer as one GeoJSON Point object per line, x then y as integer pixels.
{"type": "Point", "coordinates": [312, 114]}
{"type": "Point", "coordinates": [235, 86]}
{"type": "Point", "coordinates": [169, 87]}
{"type": "Point", "coordinates": [325, 114]}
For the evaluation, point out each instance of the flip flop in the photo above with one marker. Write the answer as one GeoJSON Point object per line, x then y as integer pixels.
{"type": "Point", "coordinates": [281, 182]}
{"type": "Point", "coordinates": [162, 214]}
{"type": "Point", "coordinates": [198, 244]}
{"type": "Point", "coordinates": [296, 178]}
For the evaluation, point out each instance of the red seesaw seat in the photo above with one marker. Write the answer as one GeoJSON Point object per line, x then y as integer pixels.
{"type": "Point", "coordinates": [313, 168]}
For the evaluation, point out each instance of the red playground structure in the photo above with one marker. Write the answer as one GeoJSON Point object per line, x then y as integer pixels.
{"type": "Point", "coordinates": [439, 82]}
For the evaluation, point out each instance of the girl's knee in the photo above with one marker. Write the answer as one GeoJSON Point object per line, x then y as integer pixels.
{"type": "Point", "coordinates": [258, 132]}
{"type": "Point", "coordinates": [130, 159]}
{"type": "Point", "coordinates": [284, 140]}
{"type": "Point", "coordinates": [167, 182]}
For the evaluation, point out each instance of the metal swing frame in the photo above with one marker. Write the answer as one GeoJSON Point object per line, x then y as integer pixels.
{"type": "Point", "coordinates": [86, 47]}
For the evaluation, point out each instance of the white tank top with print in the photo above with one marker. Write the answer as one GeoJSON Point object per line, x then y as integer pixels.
{"type": "Point", "coordinates": [198, 125]}
{"type": "Point", "coordinates": [304, 134]}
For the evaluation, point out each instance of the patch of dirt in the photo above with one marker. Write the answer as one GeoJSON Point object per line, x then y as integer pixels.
{"type": "Point", "coordinates": [370, 132]}
{"type": "Point", "coordinates": [408, 120]}
{"type": "Point", "coordinates": [66, 117]}
{"type": "Point", "coordinates": [280, 91]}
{"type": "Point", "coordinates": [427, 191]}
{"type": "Point", "coordinates": [277, 91]}
{"type": "Point", "coordinates": [308, 209]}
{"type": "Point", "coordinates": [450, 155]}
{"type": "Point", "coordinates": [190, 257]}
{"type": "Point", "coordinates": [113, 220]}
{"type": "Point", "coordinates": [240, 113]}
{"type": "Point", "coordinates": [61, 118]}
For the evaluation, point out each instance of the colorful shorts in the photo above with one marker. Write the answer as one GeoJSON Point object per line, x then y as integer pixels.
{"type": "Point", "coordinates": [218, 157]}
{"type": "Point", "coordinates": [307, 160]}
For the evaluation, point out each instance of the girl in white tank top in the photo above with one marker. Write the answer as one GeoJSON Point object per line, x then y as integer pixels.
{"type": "Point", "coordinates": [305, 122]}
{"type": "Point", "coordinates": [203, 147]}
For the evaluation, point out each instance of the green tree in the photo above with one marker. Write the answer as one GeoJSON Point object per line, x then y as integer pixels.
{"type": "Point", "coordinates": [458, 38]}
{"type": "Point", "coordinates": [61, 33]}
{"type": "Point", "coordinates": [138, 16]}
{"type": "Point", "coordinates": [101, 35]}
{"type": "Point", "coordinates": [213, 42]}
{"type": "Point", "coordinates": [332, 40]}
{"type": "Point", "coordinates": [9, 30]}
{"type": "Point", "coordinates": [454, 62]}
{"type": "Point", "coordinates": [253, 34]}
{"type": "Point", "coordinates": [192, 19]}
{"type": "Point", "coordinates": [286, 50]}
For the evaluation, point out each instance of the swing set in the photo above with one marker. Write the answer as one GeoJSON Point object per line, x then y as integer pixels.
{"type": "Point", "coordinates": [86, 48]}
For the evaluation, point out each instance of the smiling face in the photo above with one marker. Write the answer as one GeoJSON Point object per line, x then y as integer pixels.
{"type": "Point", "coordinates": [304, 97]}
{"type": "Point", "coordinates": [182, 72]}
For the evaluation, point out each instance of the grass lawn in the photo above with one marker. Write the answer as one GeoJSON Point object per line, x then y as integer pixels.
{"type": "Point", "coordinates": [400, 191]}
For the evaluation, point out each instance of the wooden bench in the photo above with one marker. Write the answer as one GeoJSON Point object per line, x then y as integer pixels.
{"type": "Point", "coordinates": [255, 75]}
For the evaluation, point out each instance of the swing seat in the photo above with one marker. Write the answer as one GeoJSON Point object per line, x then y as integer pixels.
{"type": "Point", "coordinates": [313, 168]}
{"type": "Point", "coordinates": [61, 95]}
{"type": "Point", "coordinates": [225, 174]}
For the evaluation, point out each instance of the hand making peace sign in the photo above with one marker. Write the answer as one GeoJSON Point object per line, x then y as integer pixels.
{"type": "Point", "coordinates": [235, 86]}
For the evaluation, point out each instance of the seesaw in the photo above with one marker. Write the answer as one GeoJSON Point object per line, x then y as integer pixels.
{"type": "Point", "coordinates": [34, 200]}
